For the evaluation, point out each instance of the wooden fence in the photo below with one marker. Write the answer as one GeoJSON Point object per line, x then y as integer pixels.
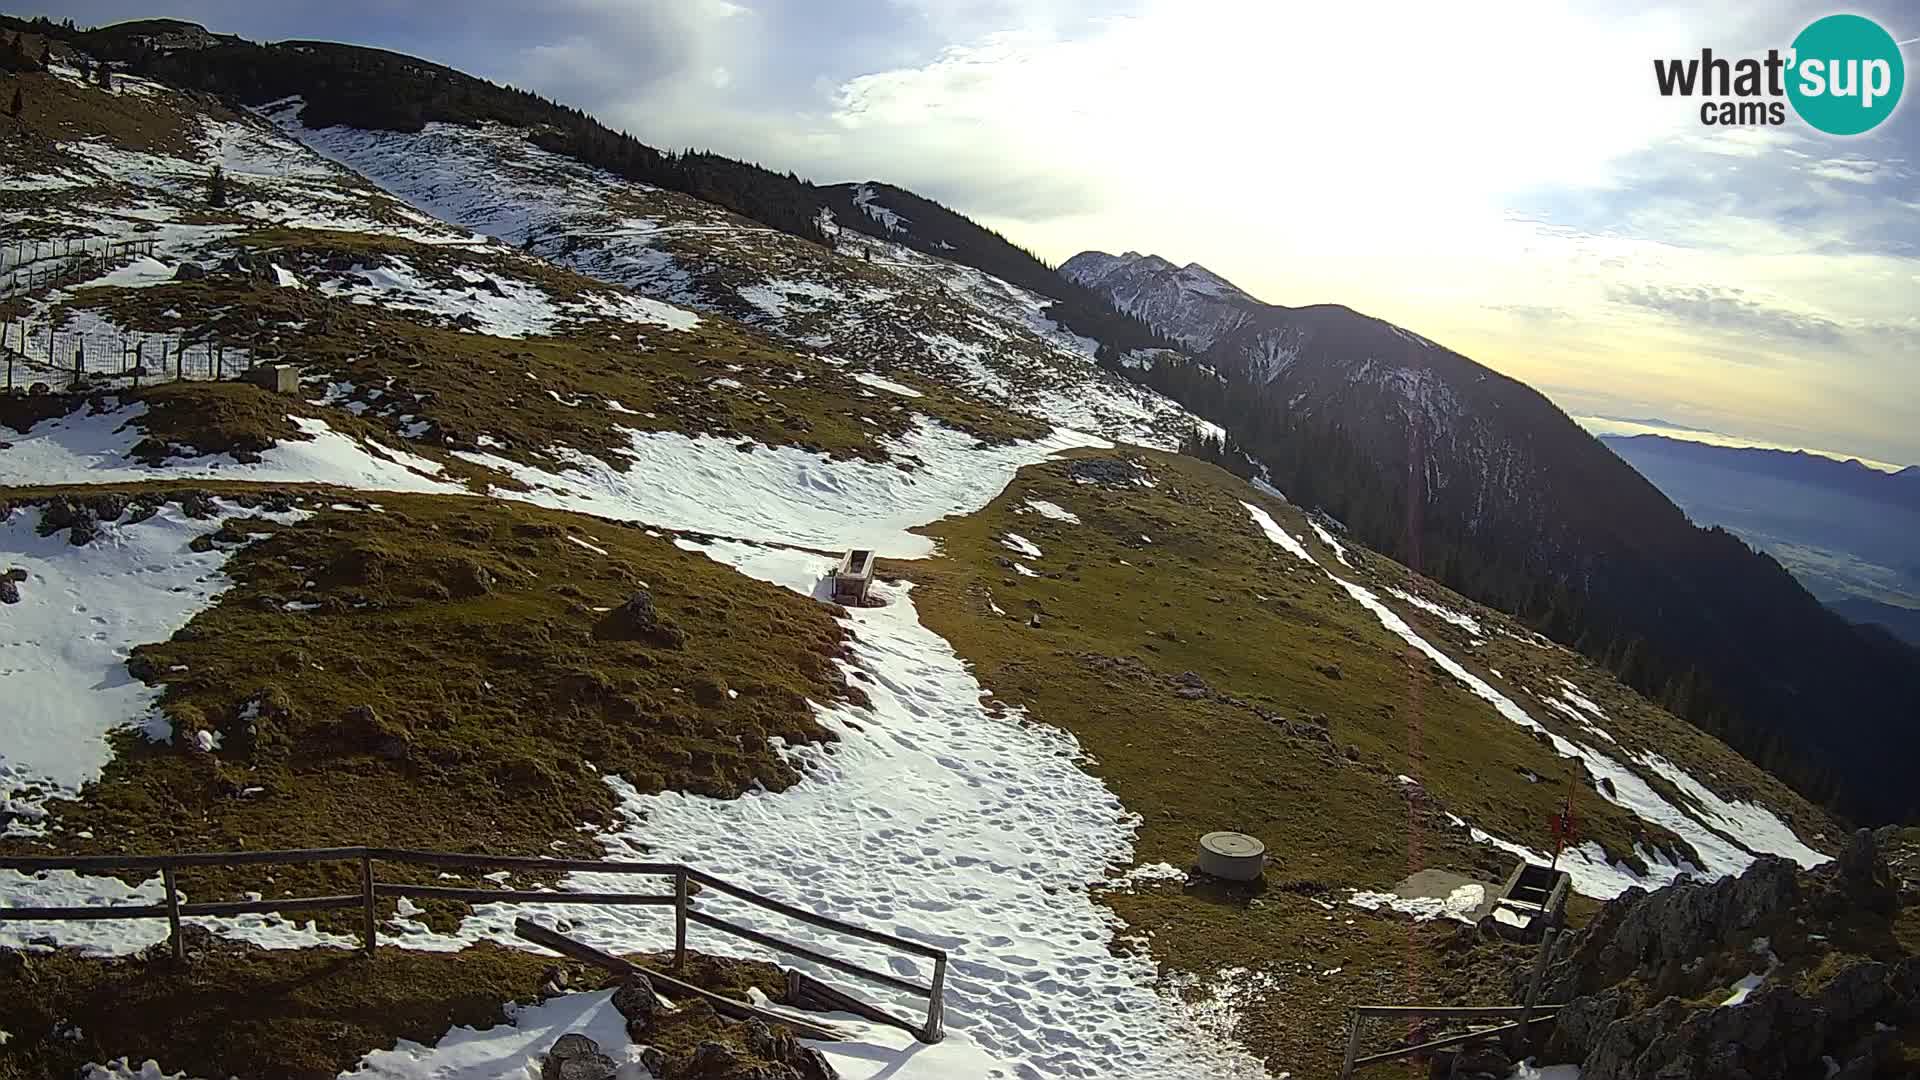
{"type": "Point", "coordinates": [680, 899]}
{"type": "Point", "coordinates": [1521, 1017]}
{"type": "Point", "coordinates": [1517, 1033]}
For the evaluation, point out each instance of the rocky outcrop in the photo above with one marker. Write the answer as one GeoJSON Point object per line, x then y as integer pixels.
{"type": "Point", "coordinates": [724, 1050]}
{"type": "Point", "coordinates": [1106, 472]}
{"type": "Point", "coordinates": [1647, 981]}
{"type": "Point", "coordinates": [1656, 936]}
{"type": "Point", "coordinates": [637, 620]}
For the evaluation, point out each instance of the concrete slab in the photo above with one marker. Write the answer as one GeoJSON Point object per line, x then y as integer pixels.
{"type": "Point", "coordinates": [1431, 884]}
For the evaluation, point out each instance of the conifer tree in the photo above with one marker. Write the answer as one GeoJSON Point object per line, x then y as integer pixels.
{"type": "Point", "coordinates": [19, 104]}
{"type": "Point", "coordinates": [217, 187]}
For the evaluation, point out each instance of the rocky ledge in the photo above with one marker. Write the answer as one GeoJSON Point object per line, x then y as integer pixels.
{"type": "Point", "coordinates": [1778, 973]}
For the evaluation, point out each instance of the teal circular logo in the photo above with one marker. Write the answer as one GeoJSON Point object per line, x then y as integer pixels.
{"type": "Point", "coordinates": [1847, 74]}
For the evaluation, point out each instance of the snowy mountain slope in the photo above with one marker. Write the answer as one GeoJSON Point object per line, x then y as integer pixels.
{"type": "Point", "coordinates": [1512, 502]}
{"type": "Point", "coordinates": [98, 189]}
{"type": "Point", "coordinates": [417, 335]}
{"type": "Point", "coordinates": [1358, 719]}
{"type": "Point", "coordinates": [1190, 304]}
{"type": "Point", "coordinates": [874, 305]}
{"type": "Point", "coordinates": [403, 340]}
{"type": "Point", "coordinates": [856, 760]}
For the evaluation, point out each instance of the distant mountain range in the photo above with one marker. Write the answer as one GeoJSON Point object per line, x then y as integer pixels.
{"type": "Point", "coordinates": [1900, 489]}
{"type": "Point", "coordinates": [1481, 482]}
{"type": "Point", "coordinates": [1846, 530]}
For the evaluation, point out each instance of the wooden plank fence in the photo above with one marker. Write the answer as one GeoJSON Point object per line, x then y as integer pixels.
{"type": "Point", "coordinates": [680, 899]}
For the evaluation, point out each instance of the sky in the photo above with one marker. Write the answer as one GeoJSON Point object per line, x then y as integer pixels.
{"type": "Point", "coordinates": [1504, 179]}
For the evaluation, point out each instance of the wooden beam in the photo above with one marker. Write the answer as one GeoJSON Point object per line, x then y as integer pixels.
{"type": "Point", "coordinates": [822, 921]}
{"type": "Point", "coordinates": [516, 896]}
{"type": "Point", "coordinates": [776, 944]}
{"type": "Point", "coordinates": [1443, 1043]}
{"type": "Point", "coordinates": [1448, 1012]}
{"type": "Point", "coordinates": [805, 990]}
{"type": "Point", "coordinates": [725, 1006]}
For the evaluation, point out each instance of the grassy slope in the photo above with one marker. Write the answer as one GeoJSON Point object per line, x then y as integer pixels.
{"type": "Point", "coordinates": [287, 1015]}
{"type": "Point", "coordinates": [1210, 595]}
{"type": "Point", "coordinates": [457, 622]}
{"type": "Point", "coordinates": [465, 384]}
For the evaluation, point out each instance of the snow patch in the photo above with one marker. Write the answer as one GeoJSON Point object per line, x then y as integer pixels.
{"type": "Point", "coordinates": [784, 494]}
{"type": "Point", "coordinates": [64, 646]}
{"type": "Point", "coordinates": [869, 379]}
{"type": "Point", "coordinates": [1053, 511]}
{"type": "Point", "coordinates": [1460, 904]}
{"type": "Point", "coordinates": [1020, 544]}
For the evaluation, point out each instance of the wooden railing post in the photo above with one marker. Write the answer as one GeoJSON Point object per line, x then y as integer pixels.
{"type": "Point", "coordinates": [1523, 1038]}
{"type": "Point", "coordinates": [173, 916]}
{"type": "Point", "coordinates": [372, 928]}
{"type": "Point", "coordinates": [679, 918]}
{"type": "Point", "coordinates": [936, 1004]}
{"type": "Point", "coordinates": [1353, 1043]}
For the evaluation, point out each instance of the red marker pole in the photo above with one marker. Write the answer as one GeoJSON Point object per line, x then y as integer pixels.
{"type": "Point", "coordinates": [1563, 826]}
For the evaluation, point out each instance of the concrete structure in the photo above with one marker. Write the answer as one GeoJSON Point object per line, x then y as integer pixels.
{"type": "Point", "coordinates": [1231, 856]}
{"type": "Point", "coordinates": [1529, 903]}
{"type": "Point", "coordinates": [276, 378]}
{"type": "Point", "coordinates": [853, 577]}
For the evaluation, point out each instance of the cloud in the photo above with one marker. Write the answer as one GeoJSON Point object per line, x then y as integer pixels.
{"type": "Point", "coordinates": [1537, 314]}
{"type": "Point", "coordinates": [1857, 170]}
{"type": "Point", "coordinates": [1731, 311]}
{"type": "Point", "coordinates": [1503, 176]}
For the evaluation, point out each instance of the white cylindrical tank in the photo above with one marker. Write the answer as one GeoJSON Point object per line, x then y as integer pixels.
{"type": "Point", "coordinates": [1232, 856]}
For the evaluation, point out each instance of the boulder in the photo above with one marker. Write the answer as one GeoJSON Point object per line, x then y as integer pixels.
{"type": "Point", "coordinates": [576, 1057]}
{"type": "Point", "coordinates": [1645, 981]}
{"type": "Point", "coordinates": [783, 1049]}
{"type": "Point", "coordinates": [366, 730]}
{"type": "Point", "coordinates": [1657, 936]}
{"type": "Point", "coordinates": [711, 1059]}
{"type": "Point", "coordinates": [636, 620]}
{"type": "Point", "coordinates": [1864, 877]}
{"type": "Point", "coordinates": [637, 1001]}
{"type": "Point", "coordinates": [189, 272]}
{"type": "Point", "coordinates": [197, 505]}
{"type": "Point", "coordinates": [1775, 1035]}
{"type": "Point", "coordinates": [83, 532]}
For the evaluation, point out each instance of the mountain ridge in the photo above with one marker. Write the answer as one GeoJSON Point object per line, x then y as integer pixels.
{"type": "Point", "coordinates": [1900, 488]}
{"type": "Point", "coordinates": [1466, 473]}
